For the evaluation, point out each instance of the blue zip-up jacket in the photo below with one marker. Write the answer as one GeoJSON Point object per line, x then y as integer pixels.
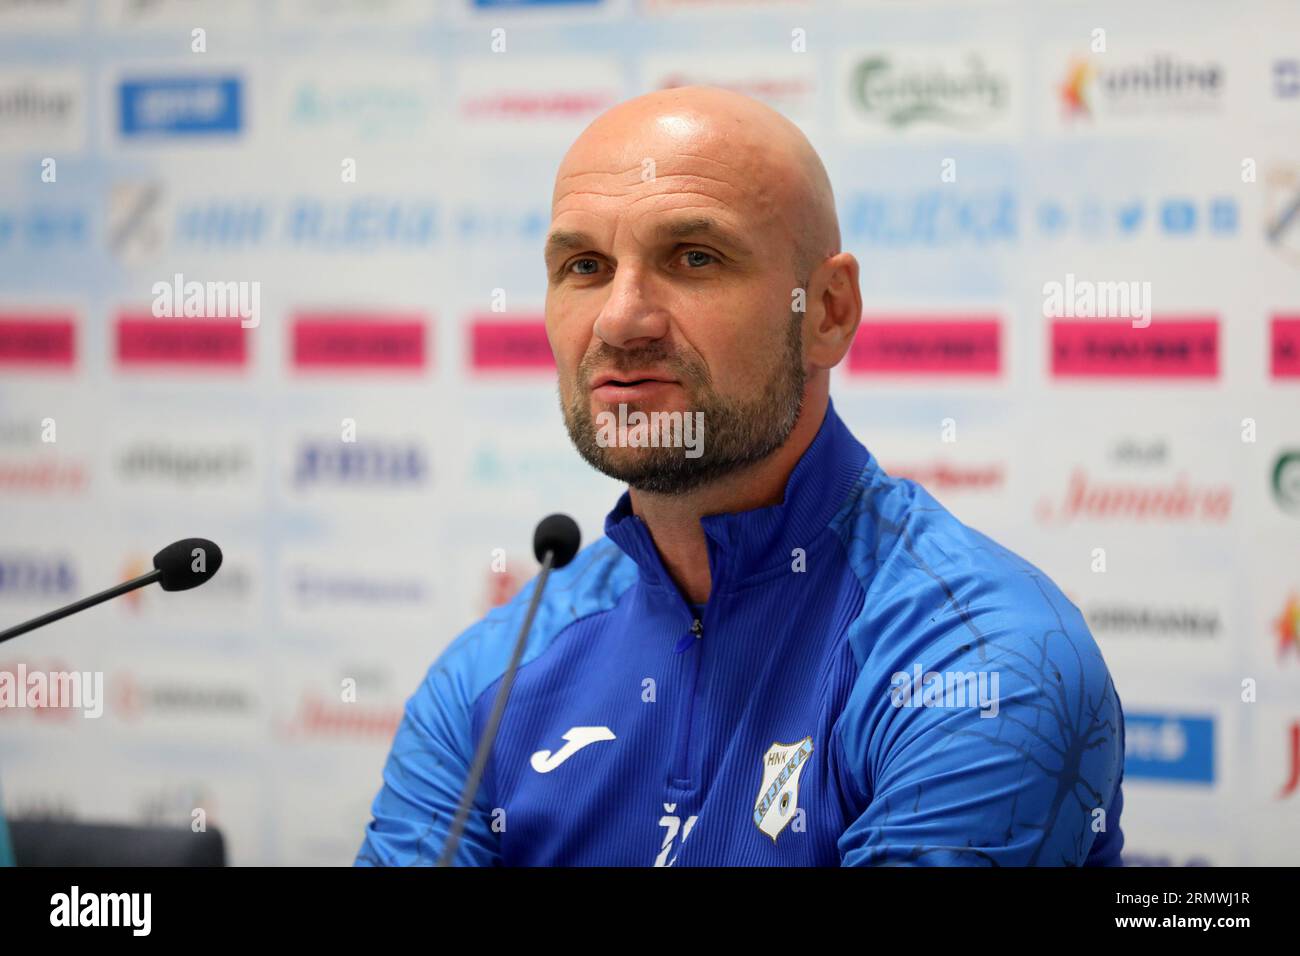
{"type": "Point", "coordinates": [871, 682]}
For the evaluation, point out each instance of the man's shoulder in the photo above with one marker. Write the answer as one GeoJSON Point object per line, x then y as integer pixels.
{"type": "Point", "coordinates": [971, 664]}
{"type": "Point", "coordinates": [895, 524]}
{"type": "Point", "coordinates": [938, 589]}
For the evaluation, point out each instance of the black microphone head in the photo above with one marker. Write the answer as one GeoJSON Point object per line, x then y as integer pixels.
{"type": "Point", "coordinates": [560, 535]}
{"type": "Point", "coordinates": [187, 563]}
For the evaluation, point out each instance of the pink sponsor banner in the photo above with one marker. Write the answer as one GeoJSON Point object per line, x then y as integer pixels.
{"type": "Point", "coordinates": [928, 346]}
{"type": "Point", "coordinates": [1171, 347]}
{"type": "Point", "coordinates": [509, 345]}
{"type": "Point", "coordinates": [36, 341]}
{"type": "Point", "coordinates": [1286, 346]}
{"type": "Point", "coordinates": [357, 341]}
{"type": "Point", "coordinates": [147, 342]}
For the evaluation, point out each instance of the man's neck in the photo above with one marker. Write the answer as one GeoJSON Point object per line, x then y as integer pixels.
{"type": "Point", "coordinates": [674, 520]}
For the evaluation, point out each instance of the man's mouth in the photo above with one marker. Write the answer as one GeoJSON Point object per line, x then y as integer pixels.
{"type": "Point", "coordinates": [616, 387]}
{"type": "Point", "coordinates": [626, 379]}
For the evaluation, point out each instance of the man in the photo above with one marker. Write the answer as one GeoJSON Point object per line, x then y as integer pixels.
{"type": "Point", "coordinates": [778, 655]}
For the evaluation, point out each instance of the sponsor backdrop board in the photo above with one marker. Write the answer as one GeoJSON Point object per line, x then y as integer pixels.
{"type": "Point", "coordinates": [1079, 229]}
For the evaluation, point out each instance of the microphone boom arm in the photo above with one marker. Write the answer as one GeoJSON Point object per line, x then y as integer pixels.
{"type": "Point", "coordinates": [490, 731]}
{"type": "Point", "coordinates": [73, 608]}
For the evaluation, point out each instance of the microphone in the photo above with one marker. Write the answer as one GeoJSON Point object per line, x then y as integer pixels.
{"type": "Point", "coordinates": [559, 534]}
{"type": "Point", "coordinates": [180, 566]}
{"type": "Point", "coordinates": [175, 563]}
{"type": "Point", "coordinates": [555, 542]}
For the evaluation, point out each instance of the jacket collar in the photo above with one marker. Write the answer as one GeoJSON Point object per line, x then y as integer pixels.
{"type": "Point", "coordinates": [743, 544]}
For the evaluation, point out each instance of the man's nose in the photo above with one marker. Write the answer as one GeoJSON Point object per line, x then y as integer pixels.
{"type": "Point", "coordinates": [631, 317]}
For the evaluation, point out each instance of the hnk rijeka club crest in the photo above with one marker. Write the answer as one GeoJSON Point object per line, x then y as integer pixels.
{"type": "Point", "coordinates": [778, 798]}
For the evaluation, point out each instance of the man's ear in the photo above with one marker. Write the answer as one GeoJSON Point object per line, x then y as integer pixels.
{"type": "Point", "coordinates": [834, 311]}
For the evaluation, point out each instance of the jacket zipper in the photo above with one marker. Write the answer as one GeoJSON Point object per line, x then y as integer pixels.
{"type": "Point", "coordinates": [690, 641]}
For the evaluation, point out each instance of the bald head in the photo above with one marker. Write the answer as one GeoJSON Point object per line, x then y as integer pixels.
{"type": "Point", "coordinates": [762, 160]}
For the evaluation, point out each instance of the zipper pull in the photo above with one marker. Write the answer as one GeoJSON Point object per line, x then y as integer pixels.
{"type": "Point", "coordinates": [694, 634]}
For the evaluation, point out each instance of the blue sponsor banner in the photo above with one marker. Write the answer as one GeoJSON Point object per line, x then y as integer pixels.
{"type": "Point", "coordinates": [180, 106]}
{"type": "Point", "coordinates": [1095, 218]}
{"type": "Point", "coordinates": [1286, 78]}
{"type": "Point", "coordinates": [43, 227]}
{"type": "Point", "coordinates": [27, 577]}
{"type": "Point", "coordinates": [1169, 747]}
{"type": "Point", "coordinates": [930, 218]}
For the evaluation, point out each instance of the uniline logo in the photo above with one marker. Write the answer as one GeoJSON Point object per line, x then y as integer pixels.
{"type": "Point", "coordinates": [1159, 83]}
{"type": "Point", "coordinates": [949, 689]}
{"type": "Point", "coordinates": [656, 430]}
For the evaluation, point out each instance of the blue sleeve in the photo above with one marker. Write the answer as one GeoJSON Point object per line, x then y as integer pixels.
{"type": "Point", "coordinates": [1032, 777]}
{"type": "Point", "coordinates": [1109, 844]}
{"type": "Point", "coordinates": [425, 774]}
{"type": "Point", "coordinates": [434, 745]}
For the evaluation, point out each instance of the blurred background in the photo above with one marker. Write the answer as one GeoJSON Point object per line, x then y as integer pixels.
{"type": "Point", "coordinates": [372, 452]}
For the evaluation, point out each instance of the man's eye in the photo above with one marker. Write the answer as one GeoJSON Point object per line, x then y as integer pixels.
{"type": "Point", "coordinates": [697, 263]}
{"type": "Point", "coordinates": [576, 262]}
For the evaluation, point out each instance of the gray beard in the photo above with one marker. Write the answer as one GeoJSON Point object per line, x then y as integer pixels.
{"type": "Point", "coordinates": [737, 432]}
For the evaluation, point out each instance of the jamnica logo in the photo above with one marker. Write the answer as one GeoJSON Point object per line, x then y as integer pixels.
{"type": "Point", "coordinates": [322, 717]}
{"type": "Point", "coordinates": [1133, 501]}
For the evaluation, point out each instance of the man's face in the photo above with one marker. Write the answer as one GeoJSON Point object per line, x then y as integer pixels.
{"type": "Point", "coordinates": [672, 292]}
